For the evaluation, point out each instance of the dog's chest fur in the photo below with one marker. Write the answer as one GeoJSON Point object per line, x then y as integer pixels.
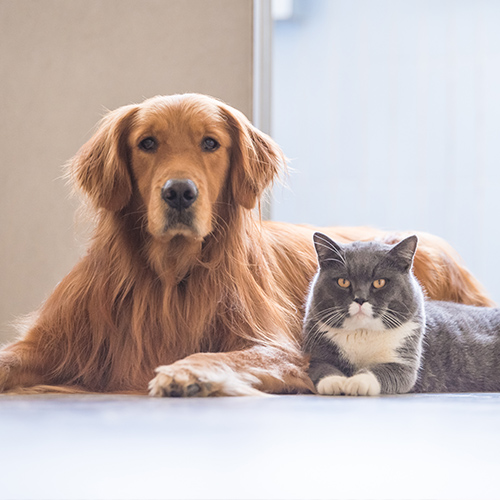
{"type": "Point", "coordinates": [364, 348]}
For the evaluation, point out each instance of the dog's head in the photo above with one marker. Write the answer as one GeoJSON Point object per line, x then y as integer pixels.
{"type": "Point", "coordinates": [178, 156]}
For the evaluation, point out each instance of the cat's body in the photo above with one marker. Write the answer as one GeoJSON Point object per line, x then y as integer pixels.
{"type": "Point", "coordinates": [368, 329]}
{"type": "Point", "coordinates": [461, 351]}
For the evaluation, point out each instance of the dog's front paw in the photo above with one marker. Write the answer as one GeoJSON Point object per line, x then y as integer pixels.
{"type": "Point", "coordinates": [198, 376]}
{"type": "Point", "coordinates": [172, 381]}
{"type": "Point", "coordinates": [362, 384]}
{"type": "Point", "coordinates": [332, 385]}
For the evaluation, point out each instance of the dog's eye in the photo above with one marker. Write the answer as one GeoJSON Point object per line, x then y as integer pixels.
{"type": "Point", "coordinates": [209, 144]}
{"type": "Point", "coordinates": [149, 144]}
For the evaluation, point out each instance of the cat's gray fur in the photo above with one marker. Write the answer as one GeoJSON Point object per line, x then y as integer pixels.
{"type": "Point", "coordinates": [408, 344]}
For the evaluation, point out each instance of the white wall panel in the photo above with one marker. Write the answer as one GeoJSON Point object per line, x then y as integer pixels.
{"type": "Point", "coordinates": [390, 113]}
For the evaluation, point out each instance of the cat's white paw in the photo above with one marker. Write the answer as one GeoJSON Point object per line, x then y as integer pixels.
{"type": "Point", "coordinates": [362, 384]}
{"type": "Point", "coordinates": [332, 385]}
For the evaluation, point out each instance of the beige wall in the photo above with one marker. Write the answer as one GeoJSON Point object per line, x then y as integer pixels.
{"type": "Point", "coordinates": [63, 63]}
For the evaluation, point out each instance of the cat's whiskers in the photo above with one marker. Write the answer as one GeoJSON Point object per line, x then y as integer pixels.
{"type": "Point", "coordinates": [327, 311]}
{"type": "Point", "coordinates": [330, 321]}
{"type": "Point", "coordinates": [391, 317]}
{"type": "Point", "coordinates": [391, 320]}
{"type": "Point", "coordinates": [333, 315]}
{"type": "Point", "coordinates": [399, 312]}
{"type": "Point", "coordinates": [394, 310]}
{"type": "Point", "coordinates": [334, 260]}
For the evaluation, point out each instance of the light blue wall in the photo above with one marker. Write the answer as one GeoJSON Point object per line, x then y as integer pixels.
{"type": "Point", "coordinates": [390, 113]}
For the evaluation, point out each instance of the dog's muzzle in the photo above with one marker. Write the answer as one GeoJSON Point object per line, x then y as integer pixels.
{"type": "Point", "coordinates": [179, 194]}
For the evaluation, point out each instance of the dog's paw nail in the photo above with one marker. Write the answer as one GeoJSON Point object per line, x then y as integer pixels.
{"type": "Point", "coordinates": [193, 390]}
{"type": "Point", "coordinates": [176, 390]}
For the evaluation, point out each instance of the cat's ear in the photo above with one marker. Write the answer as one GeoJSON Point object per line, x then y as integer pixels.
{"type": "Point", "coordinates": [327, 249]}
{"type": "Point", "coordinates": [401, 255]}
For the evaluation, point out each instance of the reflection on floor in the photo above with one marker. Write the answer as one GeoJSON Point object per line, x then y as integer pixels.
{"type": "Point", "coordinates": [122, 447]}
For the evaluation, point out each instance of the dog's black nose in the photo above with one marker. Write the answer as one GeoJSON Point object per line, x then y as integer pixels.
{"type": "Point", "coordinates": [360, 301]}
{"type": "Point", "coordinates": [179, 193]}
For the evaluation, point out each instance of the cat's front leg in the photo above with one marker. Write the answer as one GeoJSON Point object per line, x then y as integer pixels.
{"type": "Point", "coordinates": [328, 379]}
{"type": "Point", "coordinates": [395, 378]}
{"type": "Point", "coordinates": [332, 385]}
{"type": "Point", "coordinates": [362, 384]}
{"type": "Point", "coordinates": [386, 378]}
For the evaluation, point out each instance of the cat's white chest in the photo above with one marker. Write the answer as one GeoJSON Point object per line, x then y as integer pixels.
{"type": "Point", "coordinates": [365, 348]}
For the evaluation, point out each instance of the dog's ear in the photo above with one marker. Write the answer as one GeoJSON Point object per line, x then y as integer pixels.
{"type": "Point", "coordinates": [255, 159]}
{"type": "Point", "coordinates": [100, 168]}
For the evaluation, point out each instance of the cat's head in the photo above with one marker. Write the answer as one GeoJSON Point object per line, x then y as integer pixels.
{"type": "Point", "coordinates": [365, 285]}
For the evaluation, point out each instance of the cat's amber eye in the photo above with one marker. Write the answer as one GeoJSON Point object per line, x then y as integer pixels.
{"type": "Point", "coordinates": [344, 283]}
{"type": "Point", "coordinates": [379, 283]}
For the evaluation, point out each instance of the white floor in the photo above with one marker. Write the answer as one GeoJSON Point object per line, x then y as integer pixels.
{"type": "Point", "coordinates": [120, 447]}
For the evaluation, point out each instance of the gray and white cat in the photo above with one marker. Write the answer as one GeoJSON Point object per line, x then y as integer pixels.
{"type": "Point", "coordinates": [369, 331]}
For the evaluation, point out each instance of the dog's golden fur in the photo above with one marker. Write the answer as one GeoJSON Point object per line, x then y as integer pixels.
{"type": "Point", "coordinates": [214, 302]}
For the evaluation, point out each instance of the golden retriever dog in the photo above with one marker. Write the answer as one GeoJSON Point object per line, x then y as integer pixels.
{"type": "Point", "coordinates": [184, 291]}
